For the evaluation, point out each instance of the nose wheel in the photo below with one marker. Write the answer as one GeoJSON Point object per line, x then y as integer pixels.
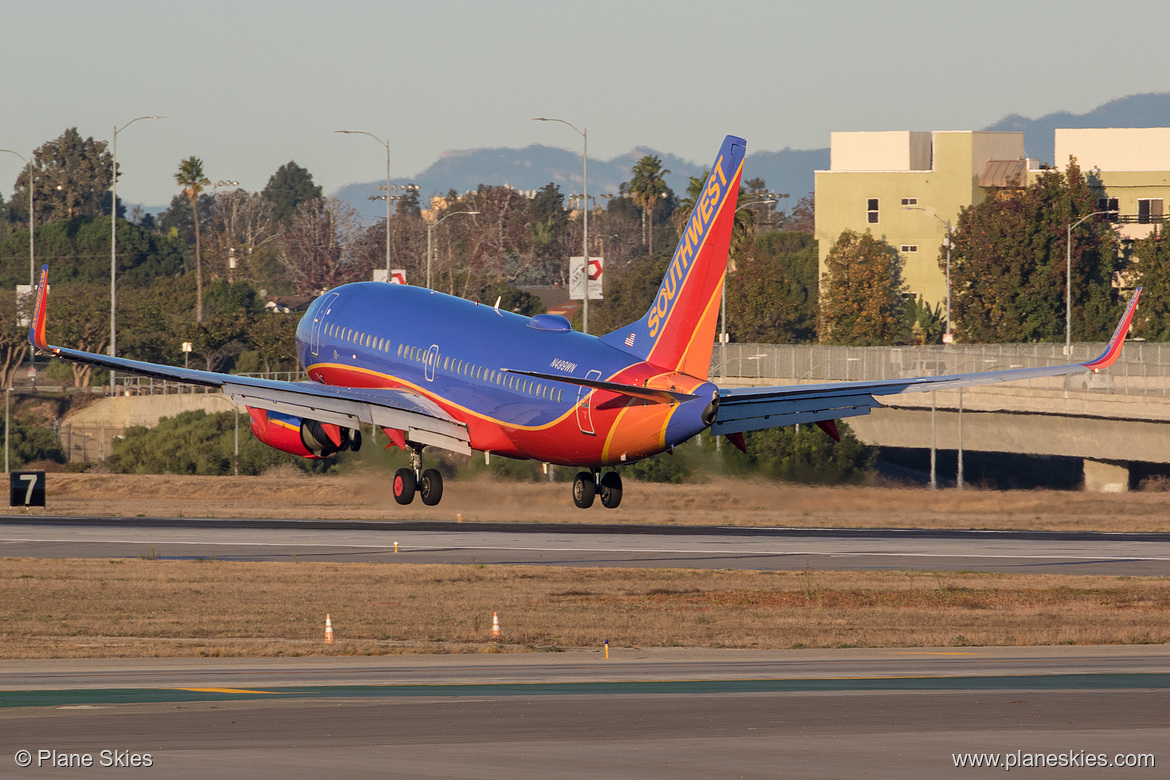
{"type": "Point", "coordinates": [587, 486]}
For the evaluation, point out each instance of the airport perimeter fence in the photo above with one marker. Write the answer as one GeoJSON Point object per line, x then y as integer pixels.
{"type": "Point", "coordinates": [1142, 369]}
{"type": "Point", "coordinates": [138, 385]}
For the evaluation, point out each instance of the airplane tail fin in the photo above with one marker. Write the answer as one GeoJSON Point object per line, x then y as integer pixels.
{"type": "Point", "coordinates": [678, 332]}
{"type": "Point", "coordinates": [36, 328]}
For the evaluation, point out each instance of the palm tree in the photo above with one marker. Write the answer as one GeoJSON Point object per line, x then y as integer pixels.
{"type": "Point", "coordinates": [647, 186]}
{"type": "Point", "coordinates": [192, 181]}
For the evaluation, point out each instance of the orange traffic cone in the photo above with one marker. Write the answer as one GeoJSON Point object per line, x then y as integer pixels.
{"type": "Point", "coordinates": [328, 629]}
{"type": "Point", "coordinates": [495, 625]}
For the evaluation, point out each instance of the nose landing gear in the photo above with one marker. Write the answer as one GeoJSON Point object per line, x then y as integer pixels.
{"type": "Point", "coordinates": [587, 485]}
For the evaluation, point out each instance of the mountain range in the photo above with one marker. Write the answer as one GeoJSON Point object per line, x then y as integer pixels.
{"type": "Point", "coordinates": [788, 170]}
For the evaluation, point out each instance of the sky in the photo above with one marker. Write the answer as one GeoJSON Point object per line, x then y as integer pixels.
{"type": "Point", "coordinates": [249, 85]}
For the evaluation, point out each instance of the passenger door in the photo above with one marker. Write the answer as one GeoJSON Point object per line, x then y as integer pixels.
{"type": "Point", "coordinates": [584, 405]}
{"type": "Point", "coordinates": [323, 310]}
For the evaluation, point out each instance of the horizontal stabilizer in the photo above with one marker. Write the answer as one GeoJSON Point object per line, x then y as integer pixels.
{"type": "Point", "coordinates": [741, 413]}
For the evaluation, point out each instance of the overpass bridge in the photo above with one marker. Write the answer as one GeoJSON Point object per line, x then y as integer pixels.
{"type": "Point", "coordinates": [1113, 421]}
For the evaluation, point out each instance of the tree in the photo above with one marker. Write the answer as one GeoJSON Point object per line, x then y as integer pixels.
{"type": "Point", "coordinates": [288, 188]}
{"type": "Point", "coordinates": [72, 178]}
{"type": "Point", "coordinates": [805, 454]}
{"type": "Point", "coordinates": [1152, 255]}
{"type": "Point", "coordinates": [241, 225]}
{"type": "Point", "coordinates": [1008, 264]}
{"type": "Point", "coordinates": [647, 185]}
{"type": "Point", "coordinates": [81, 319]}
{"type": "Point", "coordinates": [273, 336]}
{"type": "Point", "coordinates": [772, 290]}
{"type": "Point", "coordinates": [13, 334]}
{"type": "Point", "coordinates": [194, 443]}
{"type": "Point", "coordinates": [628, 294]}
{"type": "Point", "coordinates": [861, 293]}
{"type": "Point", "coordinates": [315, 250]}
{"type": "Point", "coordinates": [192, 181]}
{"type": "Point", "coordinates": [802, 218]}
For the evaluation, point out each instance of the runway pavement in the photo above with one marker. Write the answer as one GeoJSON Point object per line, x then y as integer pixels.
{"type": "Point", "coordinates": [647, 714]}
{"type": "Point", "coordinates": [582, 545]}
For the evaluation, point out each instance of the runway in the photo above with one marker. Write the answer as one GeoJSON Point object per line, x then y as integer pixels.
{"type": "Point", "coordinates": [643, 713]}
{"type": "Point", "coordinates": [584, 545]}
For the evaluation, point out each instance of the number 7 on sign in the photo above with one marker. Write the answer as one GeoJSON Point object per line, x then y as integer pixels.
{"type": "Point", "coordinates": [31, 479]}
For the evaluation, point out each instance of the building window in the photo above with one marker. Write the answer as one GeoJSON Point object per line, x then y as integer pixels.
{"type": "Point", "coordinates": [1149, 210]}
{"type": "Point", "coordinates": [871, 211]}
{"type": "Point", "coordinates": [909, 247]}
{"type": "Point", "coordinates": [909, 201]}
{"type": "Point", "coordinates": [1107, 204]}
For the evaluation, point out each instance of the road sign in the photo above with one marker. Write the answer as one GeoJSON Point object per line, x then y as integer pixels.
{"type": "Point", "coordinates": [577, 278]}
{"type": "Point", "coordinates": [26, 488]}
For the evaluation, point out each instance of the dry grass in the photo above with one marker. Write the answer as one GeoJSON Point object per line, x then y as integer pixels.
{"type": "Point", "coordinates": [720, 502]}
{"type": "Point", "coordinates": [123, 608]}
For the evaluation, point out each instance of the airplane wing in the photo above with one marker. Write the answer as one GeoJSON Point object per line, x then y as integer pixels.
{"type": "Point", "coordinates": [422, 420]}
{"type": "Point", "coordinates": [757, 408]}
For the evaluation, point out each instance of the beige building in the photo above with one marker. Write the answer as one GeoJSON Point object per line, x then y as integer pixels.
{"type": "Point", "coordinates": [904, 186]}
{"type": "Point", "coordinates": [1130, 169]}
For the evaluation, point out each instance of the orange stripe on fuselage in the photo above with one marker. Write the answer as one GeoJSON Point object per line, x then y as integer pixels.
{"type": "Point", "coordinates": [622, 425]}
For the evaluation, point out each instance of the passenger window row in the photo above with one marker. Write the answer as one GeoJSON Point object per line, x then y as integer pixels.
{"type": "Point", "coordinates": [493, 377]}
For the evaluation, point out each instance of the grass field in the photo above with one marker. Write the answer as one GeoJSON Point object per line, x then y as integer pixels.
{"type": "Point", "coordinates": [118, 608]}
{"type": "Point", "coordinates": [144, 608]}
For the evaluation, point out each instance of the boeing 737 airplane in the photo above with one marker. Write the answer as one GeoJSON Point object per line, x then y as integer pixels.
{"type": "Point", "coordinates": [433, 370]}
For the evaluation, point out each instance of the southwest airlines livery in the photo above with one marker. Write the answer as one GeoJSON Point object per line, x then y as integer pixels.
{"type": "Point", "coordinates": [433, 370]}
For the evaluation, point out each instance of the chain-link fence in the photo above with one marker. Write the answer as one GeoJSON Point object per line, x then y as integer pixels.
{"type": "Point", "coordinates": [1142, 369]}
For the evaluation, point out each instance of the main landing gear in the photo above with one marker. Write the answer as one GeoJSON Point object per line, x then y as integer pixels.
{"type": "Point", "coordinates": [587, 484]}
{"type": "Point", "coordinates": [427, 483]}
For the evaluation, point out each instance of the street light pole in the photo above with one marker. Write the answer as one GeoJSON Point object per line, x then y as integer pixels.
{"type": "Point", "coordinates": [431, 227]}
{"type": "Point", "coordinates": [113, 350]}
{"type": "Point", "coordinates": [1068, 281]}
{"type": "Point", "coordinates": [585, 219]}
{"type": "Point", "coordinates": [385, 143]}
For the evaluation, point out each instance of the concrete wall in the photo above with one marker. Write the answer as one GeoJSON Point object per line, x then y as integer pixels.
{"type": "Point", "coordinates": [1028, 434]}
{"type": "Point", "coordinates": [127, 411]}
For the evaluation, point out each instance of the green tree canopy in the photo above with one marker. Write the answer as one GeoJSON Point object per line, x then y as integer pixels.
{"type": "Point", "coordinates": [772, 290]}
{"type": "Point", "coordinates": [648, 188]}
{"type": "Point", "coordinates": [72, 179]}
{"type": "Point", "coordinates": [191, 180]}
{"type": "Point", "coordinates": [289, 187]}
{"type": "Point", "coordinates": [79, 250]}
{"type": "Point", "coordinates": [861, 293]}
{"type": "Point", "coordinates": [1008, 264]}
{"type": "Point", "coordinates": [1152, 321]}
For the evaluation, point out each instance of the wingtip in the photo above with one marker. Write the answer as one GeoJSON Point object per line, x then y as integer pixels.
{"type": "Point", "coordinates": [1113, 348]}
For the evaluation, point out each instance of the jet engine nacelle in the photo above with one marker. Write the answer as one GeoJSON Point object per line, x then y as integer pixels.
{"type": "Point", "coordinates": [304, 437]}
